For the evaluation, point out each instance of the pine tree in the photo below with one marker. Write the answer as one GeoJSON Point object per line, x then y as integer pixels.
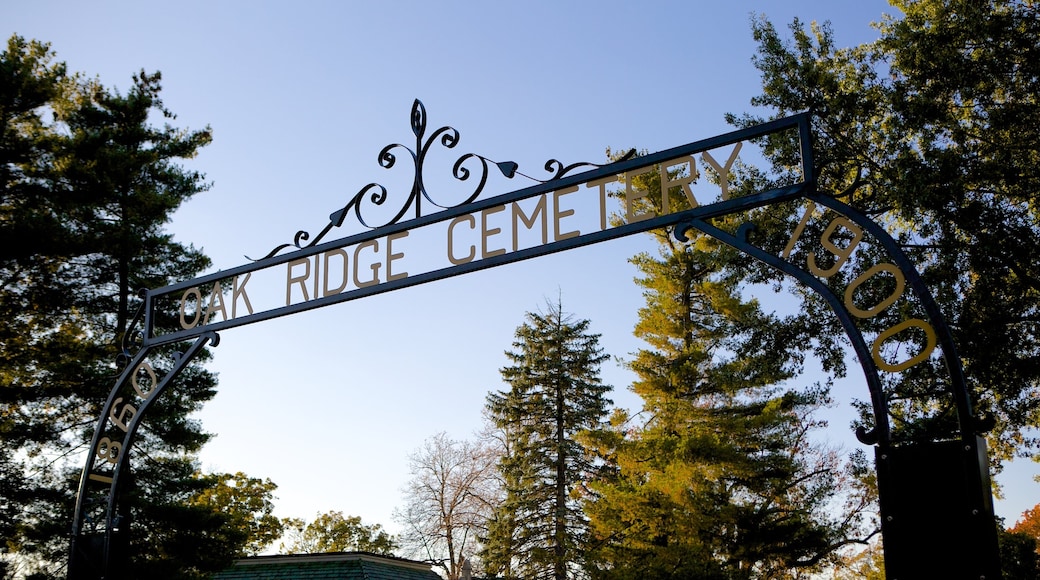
{"type": "Point", "coordinates": [30, 80]}
{"type": "Point", "coordinates": [555, 392]}
{"type": "Point", "coordinates": [717, 477]}
{"type": "Point", "coordinates": [88, 184]}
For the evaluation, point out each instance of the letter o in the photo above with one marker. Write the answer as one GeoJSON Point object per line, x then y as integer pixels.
{"type": "Point", "coordinates": [198, 307]}
{"type": "Point", "coordinates": [884, 365]}
{"type": "Point", "coordinates": [880, 306]}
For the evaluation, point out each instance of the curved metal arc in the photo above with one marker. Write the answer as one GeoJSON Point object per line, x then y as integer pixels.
{"type": "Point", "coordinates": [560, 170]}
{"type": "Point", "coordinates": [449, 138]}
{"type": "Point", "coordinates": [181, 361]}
{"type": "Point", "coordinates": [418, 118]}
{"type": "Point", "coordinates": [131, 429]}
{"type": "Point", "coordinates": [387, 160]}
{"type": "Point", "coordinates": [80, 510]}
{"type": "Point", "coordinates": [121, 464]}
{"type": "Point", "coordinates": [99, 429]}
{"type": "Point", "coordinates": [557, 168]}
{"type": "Point", "coordinates": [951, 358]}
{"type": "Point", "coordinates": [462, 173]}
{"type": "Point", "coordinates": [881, 432]}
{"type": "Point", "coordinates": [336, 220]}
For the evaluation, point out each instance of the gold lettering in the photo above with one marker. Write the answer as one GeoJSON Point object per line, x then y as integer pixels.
{"type": "Point", "coordinates": [301, 280]}
{"type": "Point", "coordinates": [559, 215]}
{"type": "Point", "coordinates": [108, 450]}
{"type": "Point", "coordinates": [451, 240]}
{"type": "Point", "coordinates": [239, 291]}
{"type": "Point", "coordinates": [374, 244]}
{"type": "Point", "coordinates": [317, 275]}
{"type": "Point", "coordinates": [391, 256]}
{"type": "Point", "coordinates": [683, 183]}
{"type": "Point", "coordinates": [930, 342]}
{"type": "Point", "coordinates": [841, 254]}
{"type": "Point", "coordinates": [809, 209]}
{"type": "Point", "coordinates": [121, 420]}
{"type": "Point", "coordinates": [723, 171]}
{"type": "Point", "coordinates": [528, 221]}
{"type": "Point", "coordinates": [633, 195]}
{"type": "Point", "coordinates": [602, 185]}
{"type": "Point", "coordinates": [880, 306]}
{"type": "Point", "coordinates": [326, 291]}
{"type": "Point", "coordinates": [486, 232]}
{"type": "Point", "coordinates": [152, 379]}
{"type": "Point", "coordinates": [101, 478]}
{"type": "Point", "coordinates": [198, 307]}
{"type": "Point", "coordinates": [216, 302]}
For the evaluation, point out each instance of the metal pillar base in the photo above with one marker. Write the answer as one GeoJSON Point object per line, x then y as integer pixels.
{"type": "Point", "coordinates": [936, 515]}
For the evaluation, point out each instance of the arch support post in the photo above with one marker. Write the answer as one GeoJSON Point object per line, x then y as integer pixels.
{"type": "Point", "coordinates": [935, 496]}
{"type": "Point", "coordinates": [937, 518]}
{"type": "Point", "coordinates": [99, 546]}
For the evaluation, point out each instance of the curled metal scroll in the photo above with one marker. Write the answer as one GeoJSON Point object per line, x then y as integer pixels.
{"type": "Point", "coordinates": [377, 195]}
{"type": "Point", "coordinates": [131, 339]}
{"type": "Point", "coordinates": [559, 170]}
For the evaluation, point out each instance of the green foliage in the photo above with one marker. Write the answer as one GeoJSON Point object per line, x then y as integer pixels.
{"type": "Point", "coordinates": [87, 184]}
{"type": "Point", "coordinates": [185, 539]}
{"type": "Point", "coordinates": [717, 476]}
{"type": "Point", "coordinates": [29, 82]}
{"type": "Point", "coordinates": [1018, 555]}
{"type": "Point", "coordinates": [934, 131]}
{"type": "Point", "coordinates": [247, 504]}
{"type": "Point", "coordinates": [539, 530]}
{"type": "Point", "coordinates": [867, 564]}
{"type": "Point", "coordinates": [1020, 547]}
{"type": "Point", "coordinates": [334, 532]}
{"type": "Point", "coordinates": [1029, 522]}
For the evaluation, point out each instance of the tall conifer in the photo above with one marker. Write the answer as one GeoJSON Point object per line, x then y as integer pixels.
{"type": "Point", "coordinates": [554, 393]}
{"type": "Point", "coordinates": [716, 477]}
{"type": "Point", "coordinates": [87, 185]}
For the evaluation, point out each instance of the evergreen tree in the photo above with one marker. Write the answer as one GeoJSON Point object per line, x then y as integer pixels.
{"type": "Point", "coordinates": [30, 80]}
{"type": "Point", "coordinates": [932, 130]}
{"type": "Point", "coordinates": [717, 477]}
{"type": "Point", "coordinates": [539, 530]}
{"type": "Point", "coordinates": [88, 184]}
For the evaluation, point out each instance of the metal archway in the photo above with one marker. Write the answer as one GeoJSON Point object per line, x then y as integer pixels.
{"type": "Point", "coordinates": [315, 273]}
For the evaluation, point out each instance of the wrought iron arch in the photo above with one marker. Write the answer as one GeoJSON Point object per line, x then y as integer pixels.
{"type": "Point", "coordinates": [100, 527]}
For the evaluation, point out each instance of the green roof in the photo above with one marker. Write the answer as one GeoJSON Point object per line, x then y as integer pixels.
{"type": "Point", "coordinates": [332, 566]}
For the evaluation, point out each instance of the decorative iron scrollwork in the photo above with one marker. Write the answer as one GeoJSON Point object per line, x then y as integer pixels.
{"type": "Point", "coordinates": [377, 194]}
{"type": "Point", "coordinates": [132, 335]}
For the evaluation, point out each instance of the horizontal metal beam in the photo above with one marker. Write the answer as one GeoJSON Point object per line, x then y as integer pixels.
{"type": "Point", "coordinates": [720, 208]}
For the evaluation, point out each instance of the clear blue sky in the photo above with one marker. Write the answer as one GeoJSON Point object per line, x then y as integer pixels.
{"type": "Point", "coordinates": [302, 96]}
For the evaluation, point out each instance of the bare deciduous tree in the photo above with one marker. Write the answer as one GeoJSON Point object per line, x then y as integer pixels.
{"type": "Point", "coordinates": [448, 500]}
